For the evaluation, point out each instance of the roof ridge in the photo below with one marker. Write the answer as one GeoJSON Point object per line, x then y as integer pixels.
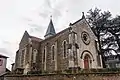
{"type": "Point", "coordinates": [83, 17]}
{"type": "Point", "coordinates": [3, 56]}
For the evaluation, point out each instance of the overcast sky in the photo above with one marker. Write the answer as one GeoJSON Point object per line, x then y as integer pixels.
{"type": "Point", "coordinates": [16, 16]}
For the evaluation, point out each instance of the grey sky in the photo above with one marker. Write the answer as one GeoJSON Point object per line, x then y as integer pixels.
{"type": "Point", "coordinates": [16, 16]}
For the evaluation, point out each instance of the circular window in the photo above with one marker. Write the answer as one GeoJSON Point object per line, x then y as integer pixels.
{"type": "Point", "coordinates": [85, 37]}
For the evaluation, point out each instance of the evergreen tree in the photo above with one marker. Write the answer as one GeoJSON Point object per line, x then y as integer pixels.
{"type": "Point", "coordinates": [107, 30]}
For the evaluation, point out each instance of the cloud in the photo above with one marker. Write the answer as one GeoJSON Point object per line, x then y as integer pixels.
{"type": "Point", "coordinates": [8, 49]}
{"type": "Point", "coordinates": [50, 8]}
{"type": "Point", "coordinates": [47, 3]}
{"type": "Point", "coordinates": [35, 27]}
{"type": "Point", "coordinates": [39, 22]}
{"type": "Point", "coordinates": [43, 14]}
{"type": "Point", "coordinates": [4, 51]}
{"type": "Point", "coordinates": [5, 42]}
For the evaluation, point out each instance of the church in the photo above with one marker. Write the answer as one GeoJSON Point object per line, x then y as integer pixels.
{"type": "Point", "coordinates": [73, 47]}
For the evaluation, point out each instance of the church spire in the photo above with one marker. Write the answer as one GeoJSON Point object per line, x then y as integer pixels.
{"type": "Point", "coordinates": [50, 30]}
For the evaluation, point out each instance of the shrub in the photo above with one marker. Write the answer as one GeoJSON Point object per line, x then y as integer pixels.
{"type": "Point", "coordinates": [34, 72]}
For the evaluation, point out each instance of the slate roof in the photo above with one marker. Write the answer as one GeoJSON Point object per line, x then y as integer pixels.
{"type": "Point", "coordinates": [50, 29]}
{"type": "Point", "coordinates": [2, 56]}
{"type": "Point", "coordinates": [35, 38]}
{"type": "Point", "coordinates": [32, 37]}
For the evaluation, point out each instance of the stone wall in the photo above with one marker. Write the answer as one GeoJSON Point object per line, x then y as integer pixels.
{"type": "Point", "coordinates": [88, 46]}
{"type": "Point", "coordinates": [47, 44]}
{"type": "Point", "coordinates": [82, 76]}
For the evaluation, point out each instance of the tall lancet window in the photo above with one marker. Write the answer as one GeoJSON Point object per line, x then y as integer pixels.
{"type": "Point", "coordinates": [23, 57]}
{"type": "Point", "coordinates": [64, 48]}
{"type": "Point", "coordinates": [44, 55]}
{"type": "Point", "coordinates": [76, 44]}
{"type": "Point", "coordinates": [34, 55]}
{"type": "Point", "coordinates": [53, 52]}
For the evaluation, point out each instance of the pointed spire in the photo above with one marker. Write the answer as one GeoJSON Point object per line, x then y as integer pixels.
{"type": "Point", "coordinates": [50, 30]}
{"type": "Point", "coordinates": [51, 17]}
{"type": "Point", "coordinates": [83, 15]}
{"type": "Point", "coordinates": [26, 33]}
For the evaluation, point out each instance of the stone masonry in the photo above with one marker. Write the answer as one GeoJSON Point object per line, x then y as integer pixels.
{"type": "Point", "coordinates": [73, 47]}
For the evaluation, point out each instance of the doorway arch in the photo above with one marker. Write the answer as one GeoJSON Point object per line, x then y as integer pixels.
{"type": "Point", "coordinates": [87, 61]}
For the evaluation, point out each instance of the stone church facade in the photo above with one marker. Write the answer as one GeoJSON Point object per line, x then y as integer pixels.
{"type": "Point", "coordinates": [74, 47]}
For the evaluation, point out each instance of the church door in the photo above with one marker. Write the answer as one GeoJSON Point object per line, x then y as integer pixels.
{"type": "Point", "coordinates": [87, 62]}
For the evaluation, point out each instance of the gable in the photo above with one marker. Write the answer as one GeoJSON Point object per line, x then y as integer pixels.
{"type": "Point", "coordinates": [89, 29]}
{"type": "Point", "coordinates": [24, 39]}
{"type": "Point", "coordinates": [84, 26]}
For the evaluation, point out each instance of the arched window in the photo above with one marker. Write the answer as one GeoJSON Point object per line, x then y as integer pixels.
{"type": "Point", "coordinates": [53, 52]}
{"type": "Point", "coordinates": [23, 56]}
{"type": "Point", "coordinates": [34, 55]}
{"type": "Point", "coordinates": [44, 55]}
{"type": "Point", "coordinates": [64, 48]}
